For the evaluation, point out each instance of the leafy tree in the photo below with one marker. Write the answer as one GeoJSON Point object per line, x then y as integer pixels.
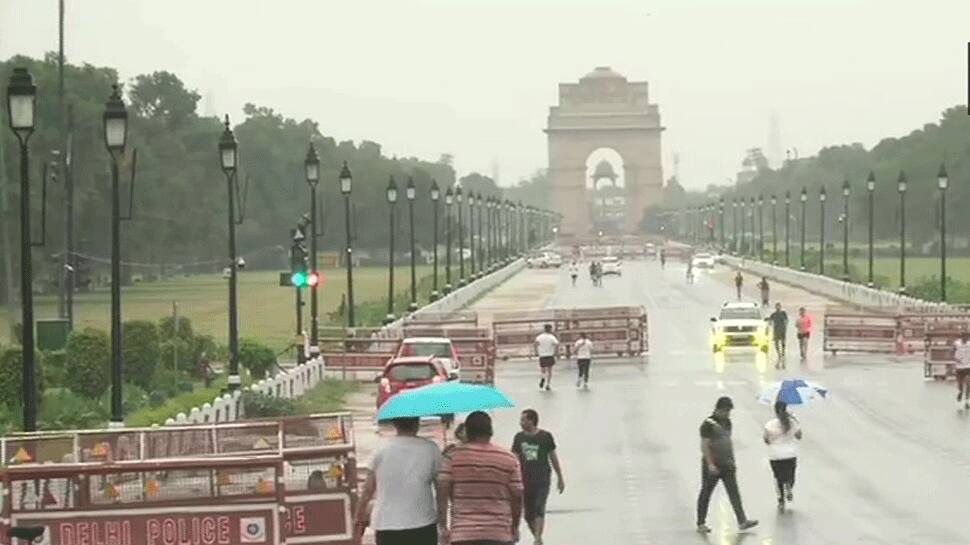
{"type": "Point", "coordinates": [11, 376]}
{"type": "Point", "coordinates": [141, 351]}
{"type": "Point", "coordinates": [256, 357]}
{"type": "Point", "coordinates": [88, 355]}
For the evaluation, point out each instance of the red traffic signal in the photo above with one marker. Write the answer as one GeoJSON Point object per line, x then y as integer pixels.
{"type": "Point", "coordinates": [312, 279]}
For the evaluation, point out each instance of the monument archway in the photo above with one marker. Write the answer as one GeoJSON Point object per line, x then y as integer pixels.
{"type": "Point", "coordinates": [603, 110]}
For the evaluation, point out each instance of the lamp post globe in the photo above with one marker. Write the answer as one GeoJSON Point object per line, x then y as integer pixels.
{"type": "Point", "coordinates": [21, 107]}
{"type": "Point", "coordinates": [346, 185]}
{"type": "Point", "coordinates": [435, 195]}
{"type": "Point", "coordinates": [228, 150]}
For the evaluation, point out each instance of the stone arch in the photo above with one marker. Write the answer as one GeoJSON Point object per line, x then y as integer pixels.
{"type": "Point", "coordinates": [603, 110]}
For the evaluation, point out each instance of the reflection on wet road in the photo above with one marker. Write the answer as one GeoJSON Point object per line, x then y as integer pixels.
{"type": "Point", "coordinates": [886, 460]}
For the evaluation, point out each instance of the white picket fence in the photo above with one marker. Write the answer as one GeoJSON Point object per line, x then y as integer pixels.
{"type": "Point", "coordinates": [302, 378]}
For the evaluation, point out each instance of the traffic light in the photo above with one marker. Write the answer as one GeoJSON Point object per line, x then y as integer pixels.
{"type": "Point", "coordinates": [298, 261]}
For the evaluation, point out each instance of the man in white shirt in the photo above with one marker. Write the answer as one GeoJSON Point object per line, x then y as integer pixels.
{"type": "Point", "coordinates": [574, 271]}
{"type": "Point", "coordinates": [584, 354]}
{"type": "Point", "coordinates": [546, 346]}
{"type": "Point", "coordinates": [403, 485]}
{"type": "Point", "coordinates": [961, 353]}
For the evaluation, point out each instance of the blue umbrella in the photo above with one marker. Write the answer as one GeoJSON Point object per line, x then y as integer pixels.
{"type": "Point", "coordinates": [443, 398]}
{"type": "Point", "coordinates": [793, 392]}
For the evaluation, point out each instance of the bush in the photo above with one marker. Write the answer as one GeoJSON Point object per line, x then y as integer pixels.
{"type": "Point", "coordinates": [133, 399]}
{"type": "Point", "coordinates": [166, 328]}
{"type": "Point", "coordinates": [63, 409]}
{"type": "Point", "coordinates": [256, 357]}
{"type": "Point", "coordinates": [259, 405]}
{"type": "Point", "coordinates": [11, 376]}
{"type": "Point", "coordinates": [88, 356]}
{"type": "Point", "coordinates": [141, 351]}
{"type": "Point", "coordinates": [53, 368]}
{"type": "Point", "coordinates": [182, 403]}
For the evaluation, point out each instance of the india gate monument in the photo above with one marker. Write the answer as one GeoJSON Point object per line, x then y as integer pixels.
{"type": "Point", "coordinates": [603, 110]}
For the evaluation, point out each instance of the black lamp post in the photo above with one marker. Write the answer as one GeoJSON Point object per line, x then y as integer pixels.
{"type": "Point", "coordinates": [392, 202]}
{"type": "Point", "coordinates": [229, 160]}
{"type": "Point", "coordinates": [761, 227]}
{"type": "Point", "coordinates": [461, 238]}
{"type": "Point", "coordinates": [804, 199]}
{"type": "Point", "coordinates": [871, 189]}
{"type": "Point", "coordinates": [115, 135]}
{"type": "Point", "coordinates": [480, 205]}
{"type": "Point", "coordinates": [787, 228]}
{"type": "Point", "coordinates": [311, 165]}
{"type": "Point", "coordinates": [901, 185]}
{"type": "Point", "coordinates": [472, 246]}
{"type": "Point", "coordinates": [751, 242]}
{"type": "Point", "coordinates": [821, 231]}
{"type": "Point", "coordinates": [449, 201]}
{"type": "Point", "coordinates": [435, 195]}
{"type": "Point", "coordinates": [734, 223]}
{"type": "Point", "coordinates": [346, 185]}
{"type": "Point", "coordinates": [774, 230]}
{"type": "Point", "coordinates": [21, 97]}
{"type": "Point", "coordinates": [744, 225]}
{"type": "Point", "coordinates": [489, 229]}
{"type": "Point", "coordinates": [720, 221]}
{"type": "Point", "coordinates": [845, 229]}
{"type": "Point", "coordinates": [942, 182]}
{"type": "Point", "coordinates": [411, 192]}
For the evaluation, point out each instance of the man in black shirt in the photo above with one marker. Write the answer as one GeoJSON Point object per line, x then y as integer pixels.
{"type": "Point", "coordinates": [718, 464]}
{"type": "Point", "coordinates": [779, 329]}
{"type": "Point", "coordinates": [536, 448]}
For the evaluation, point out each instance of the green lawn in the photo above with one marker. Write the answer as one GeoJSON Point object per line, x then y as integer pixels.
{"type": "Point", "coordinates": [266, 310]}
{"type": "Point", "coordinates": [917, 268]}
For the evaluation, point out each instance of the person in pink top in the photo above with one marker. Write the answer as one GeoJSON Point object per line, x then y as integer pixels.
{"type": "Point", "coordinates": [803, 325]}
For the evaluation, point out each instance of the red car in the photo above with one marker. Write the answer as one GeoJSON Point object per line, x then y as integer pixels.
{"type": "Point", "coordinates": [407, 373]}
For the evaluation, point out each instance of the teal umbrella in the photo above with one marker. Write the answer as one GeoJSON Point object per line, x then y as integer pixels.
{"type": "Point", "coordinates": [443, 398]}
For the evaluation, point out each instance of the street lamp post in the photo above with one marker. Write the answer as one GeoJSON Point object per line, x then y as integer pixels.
{"type": "Point", "coordinates": [346, 185]}
{"type": "Point", "coordinates": [943, 182]}
{"type": "Point", "coordinates": [804, 199]}
{"type": "Point", "coordinates": [449, 201]}
{"type": "Point", "coordinates": [901, 186]}
{"type": "Point", "coordinates": [751, 240]}
{"type": "Point", "coordinates": [761, 227]}
{"type": "Point", "coordinates": [461, 238]}
{"type": "Point", "coordinates": [744, 226]}
{"type": "Point", "coordinates": [472, 274]}
{"type": "Point", "coordinates": [821, 231]}
{"type": "Point", "coordinates": [734, 223]}
{"type": "Point", "coordinates": [774, 230]}
{"type": "Point", "coordinates": [115, 135]}
{"type": "Point", "coordinates": [870, 189]}
{"type": "Point", "coordinates": [411, 192]}
{"type": "Point", "coordinates": [845, 230]}
{"type": "Point", "coordinates": [787, 228]}
{"type": "Point", "coordinates": [482, 261]}
{"type": "Point", "coordinates": [391, 193]}
{"type": "Point", "coordinates": [435, 195]}
{"type": "Point", "coordinates": [312, 167]}
{"type": "Point", "coordinates": [21, 96]}
{"type": "Point", "coordinates": [490, 230]}
{"type": "Point", "coordinates": [229, 160]}
{"type": "Point", "coordinates": [720, 222]}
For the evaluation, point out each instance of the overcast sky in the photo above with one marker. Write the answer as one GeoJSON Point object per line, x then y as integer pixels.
{"type": "Point", "coordinates": [475, 78]}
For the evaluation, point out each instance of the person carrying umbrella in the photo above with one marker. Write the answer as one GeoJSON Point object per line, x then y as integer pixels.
{"type": "Point", "coordinates": [782, 434]}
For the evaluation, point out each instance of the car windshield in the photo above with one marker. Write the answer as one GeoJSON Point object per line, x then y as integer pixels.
{"type": "Point", "coordinates": [702, 256]}
{"type": "Point", "coordinates": [740, 314]}
{"type": "Point", "coordinates": [435, 350]}
{"type": "Point", "coordinates": [411, 371]}
{"type": "Point", "coordinates": [609, 260]}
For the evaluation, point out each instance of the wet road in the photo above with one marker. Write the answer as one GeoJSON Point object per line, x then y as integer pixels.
{"type": "Point", "coordinates": [886, 460]}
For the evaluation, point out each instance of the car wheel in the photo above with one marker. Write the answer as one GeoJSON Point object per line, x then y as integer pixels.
{"type": "Point", "coordinates": [716, 349]}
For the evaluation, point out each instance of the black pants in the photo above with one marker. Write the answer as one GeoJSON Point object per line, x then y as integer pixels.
{"type": "Point", "coordinates": [784, 471]}
{"type": "Point", "coordinates": [708, 482]}
{"type": "Point", "coordinates": [780, 346]}
{"type": "Point", "coordinates": [583, 366]}
{"type": "Point", "coordinates": [486, 542]}
{"type": "Point", "coordinates": [427, 535]}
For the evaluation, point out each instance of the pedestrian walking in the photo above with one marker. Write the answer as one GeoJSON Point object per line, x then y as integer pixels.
{"type": "Point", "coordinates": [574, 272]}
{"type": "Point", "coordinates": [690, 271]}
{"type": "Point", "coordinates": [961, 353]}
{"type": "Point", "coordinates": [482, 485]}
{"type": "Point", "coordinates": [782, 434]}
{"type": "Point", "coordinates": [779, 330]}
{"type": "Point", "coordinates": [803, 326]}
{"type": "Point", "coordinates": [717, 464]}
{"type": "Point", "coordinates": [738, 283]}
{"type": "Point", "coordinates": [546, 347]}
{"type": "Point", "coordinates": [765, 289]}
{"type": "Point", "coordinates": [402, 483]}
{"type": "Point", "coordinates": [536, 450]}
{"type": "Point", "coordinates": [663, 259]}
{"type": "Point", "coordinates": [584, 355]}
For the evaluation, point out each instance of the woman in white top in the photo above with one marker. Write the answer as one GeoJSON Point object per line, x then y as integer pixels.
{"type": "Point", "coordinates": [584, 354]}
{"type": "Point", "coordinates": [782, 434]}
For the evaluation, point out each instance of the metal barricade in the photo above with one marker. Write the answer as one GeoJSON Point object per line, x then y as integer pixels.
{"type": "Point", "coordinates": [615, 331]}
{"type": "Point", "coordinates": [441, 319]}
{"type": "Point", "coordinates": [846, 332]}
{"type": "Point", "coordinates": [475, 347]}
{"type": "Point", "coordinates": [358, 350]}
{"type": "Point", "coordinates": [941, 334]}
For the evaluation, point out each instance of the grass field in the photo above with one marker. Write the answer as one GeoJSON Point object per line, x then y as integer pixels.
{"type": "Point", "coordinates": [918, 269]}
{"type": "Point", "coordinates": [266, 310]}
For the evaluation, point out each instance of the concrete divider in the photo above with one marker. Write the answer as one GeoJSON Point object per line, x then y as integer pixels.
{"type": "Point", "coordinates": [297, 381]}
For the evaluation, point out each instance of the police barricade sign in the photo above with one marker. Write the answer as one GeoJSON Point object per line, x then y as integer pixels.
{"type": "Point", "coordinates": [358, 349]}
{"type": "Point", "coordinates": [615, 331]}
{"type": "Point", "coordinates": [873, 333]}
{"type": "Point", "coordinates": [475, 347]}
{"type": "Point", "coordinates": [941, 333]}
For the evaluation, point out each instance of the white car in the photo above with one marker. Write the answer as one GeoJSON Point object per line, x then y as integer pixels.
{"type": "Point", "coordinates": [552, 260]}
{"type": "Point", "coordinates": [438, 349]}
{"type": "Point", "coordinates": [739, 324]}
{"type": "Point", "coordinates": [703, 261]}
{"type": "Point", "coordinates": [611, 265]}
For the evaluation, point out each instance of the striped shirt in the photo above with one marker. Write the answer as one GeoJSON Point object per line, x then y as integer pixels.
{"type": "Point", "coordinates": [484, 480]}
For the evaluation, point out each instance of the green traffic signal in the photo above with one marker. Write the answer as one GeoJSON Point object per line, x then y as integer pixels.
{"type": "Point", "coordinates": [299, 279]}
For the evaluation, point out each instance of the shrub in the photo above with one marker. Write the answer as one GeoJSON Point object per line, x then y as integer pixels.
{"type": "Point", "coordinates": [256, 357]}
{"type": "Point", "coordinates": [141, 351]}
{"type": "Point", "coordinates": [53, 368]}
{"type": "Point", "coordinates": [11, 376]}
{"type": "Point", "coordinates": [259, 405]}
{"type": "Point", "coordinates": [166, 328]}
{"type": "Point", "coordinates": [63, 409]}
{"type": "Point", "coordinates": [133, 399]}
{"type": "Point", "coordinates": [176, 353]}
{"type": "Point", "coordinates": [88, 355]}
